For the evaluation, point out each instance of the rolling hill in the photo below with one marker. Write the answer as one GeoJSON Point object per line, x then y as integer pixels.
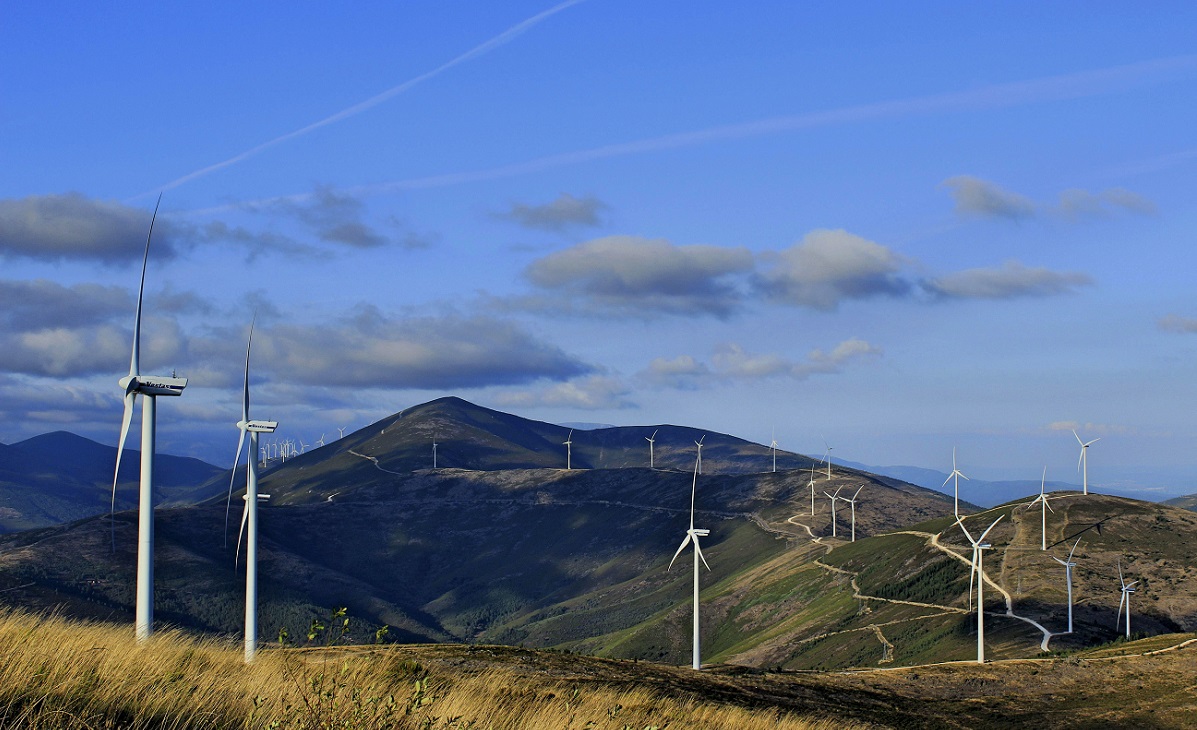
{"type": "Point", "coordinates": [59, 477]}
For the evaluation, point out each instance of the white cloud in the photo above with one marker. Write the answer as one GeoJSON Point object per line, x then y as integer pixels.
{"type": "Point", "coordinates": [731, 362]}
{"type": "Point", "coordinates": [72, 226]}
{"type": "Point", "coordinates": [830, 266]}
{"type": "Point", "coordinates": [1010, 281]}
{"type": "Point", "coordinates": [592, 392]}
{"type": "Point", "coordinates": [646, 277]}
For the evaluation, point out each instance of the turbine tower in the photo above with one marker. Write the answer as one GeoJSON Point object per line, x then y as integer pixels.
{"type": "Point", "coordinates": [651, 440]}
{"type": "Point", "coordinates": [812, 488]}
{"type": "Point", "coordinates": [827, 458]}
{"type": "Point", "coordinates": [569, 445]}
{"type": "Point", "coordinates": [833, 497]}
{"type": "Point", "coordinates": [149, 386]}
{"type": "Point", "coordinates": [1127, 590]}
{"type": "Point", "coordinates": [978, 572]}
{"type": "Point", "coordinates": [434, 452]}
{"type": "Point", "coordinates": [956, 474]}
{"type": "Point", "coordinates": [1068, 566]}
{"type": "Point", "coordinates": [249, 516]}
{"type": "Point", "coordinates": [1083, 460]}
{"type": "Point", "coordinates": [698, 443]}
{"type": "Point", "coordinates": [773, 445]}
{"type": "Point", "coordinates": [1043, 508]}
{"type": "Point", "coordinates": [693, 534]}
{"type": "Point", "coordinates": [853, 503]}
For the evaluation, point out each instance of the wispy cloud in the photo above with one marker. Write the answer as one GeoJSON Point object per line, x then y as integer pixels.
{"type": "Point", "coordinates": [974, 197]}
{"type": "Point", "coordinates": [1176, 323]}
{"type": "Point", "coordinates": [730, 362]}
{"type": "Point", "coordinates": [477, 51]}
{"type": "Point", "coordinates": [592, 392]}
{"type": "Point", "coordinates": [1012, 280]}
{"type": "Point", "coordinates": [1063, 87]}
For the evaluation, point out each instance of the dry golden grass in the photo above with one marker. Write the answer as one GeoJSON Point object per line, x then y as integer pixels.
{"type": "Point", "coordinates": [64, 674]}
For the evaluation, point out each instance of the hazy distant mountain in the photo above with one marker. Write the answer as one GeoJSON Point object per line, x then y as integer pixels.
{"type": "Point", "coordinates": [59, 477]}
{"type": "Point", "coordinates": [976, 491]}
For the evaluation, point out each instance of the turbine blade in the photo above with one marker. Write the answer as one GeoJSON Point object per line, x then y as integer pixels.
{"type": "Point", "coordinates": [135, 360]}
{"type": "Point", "coordinates": [232, 478]}
{"type": "Point", "coordinates": [245, 382]}
{"type": "Point", "coordinates": [680, 549]}
{"type": "Point", "coordinates": [945, 481]}
{"type": "Point", "coordinates": [1120, 580]}
{"type": "Point", "coordinates": [983, 534]}
{"type": "Point", "coordinates": [1078, 438]}
{"type": "Point", "coordinates": [972, 574]}
{"type": "Point", "coordinates": [241, 532]}
{"type": "Point", "coordinates": [130, 399]}
{"type": "Point", "coordinates": [1073, 550]}
{"type": "Point", "coordinates": [700, 555]}
{"type": "Point", "coordinates": [1120, 605]}
{"type": "Point", "coordinates": [854, 496]}
{"type": "Point", "coordinates": [970, 537]}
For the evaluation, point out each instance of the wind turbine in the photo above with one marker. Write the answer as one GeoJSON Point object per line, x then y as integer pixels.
{"type": "Point", "coordinates": [320, 442]}
{"type": "Point", "coordinates": [569, 444]}
{"type": "Point", "coordinates": [977, 571]}
{"type": "Point", "coordinates": [827, 458]}
{"type": "Point", "coordinates": [1127, 589]}
{"type": "Point", "coordinates": [956, 474]}
{"type": "Point", "coordinates": [341, 432]}
{"type": "Point", "coordinates": [149, 386]}
{"type": "Point", "coordinates": [249, 517]}
{"type": "Point", "coordinates": [773, 445]}
{"type": "Point", "coordinates": [693, 534]}
{"type": "Point", "coordinates": [812, 489]}
{"type": "Point", "coordinates": [833, 497]}
{"type": "Point", "coordinates": [853, 503]}
{"type": "Point", "coordinates": [1084, 457]}
{"type": "Point", "coordinates": [698, 443]}
{"type": "Point", "coordinates": [1068, 566]}
{"type": "Point", "coordinates": [651, 440]}
{"type": "Point", "coordinates": [434, 452]}
{"type": "Point", "coordinates": [1043, 508]}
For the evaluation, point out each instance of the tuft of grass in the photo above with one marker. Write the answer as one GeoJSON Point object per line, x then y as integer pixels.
{"type": "Point", "coordinates": [56, 674]}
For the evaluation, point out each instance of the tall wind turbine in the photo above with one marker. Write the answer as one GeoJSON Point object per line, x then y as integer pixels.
{"type": "Point", "coordinates": [833, 497]}
{"type": "Point", "coordinates": [698, 443]}
{"type": "Point", "coordinates": [1127, 590]}
{"type": "Point", "coordinates": [569, 446]}
{"type": "Point", "coordinates": [853, 503]}
{"type": "Point", "coordinates": [956, 474]}
{"type": "Point", "coordinates": [827, 457]}
{"type": "Point", "coordinates": [249, 517]}
{"type": "Point", "coordinates": [1083, 461]}
{"type": "Point", "coordinates": [434, 452]}
{"type": "Point", "coordinates": [149, 386]}
{"type": "Point", "coordinates": [812, 489]}
{"type": "Point", "coordinates": [1043, 508]}
{"type": "Point", "coordinates": [651, 440]}
{"type": "Point", "coordinates": [693, 534]}
{"type": "Point", "coordinates": [1068, 566]}
{"type": "Point", "coordinates": [978, 572]}
{"type": "Point", "coordinates": [773, 445]}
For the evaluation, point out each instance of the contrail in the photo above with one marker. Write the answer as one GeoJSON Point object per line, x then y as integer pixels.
{"type": "Point", "coordinates": [998, 96]}
{"type": "Point", "coordinates": [502, 39]}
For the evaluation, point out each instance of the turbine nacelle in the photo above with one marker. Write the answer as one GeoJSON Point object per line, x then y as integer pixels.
{"type": "Point", "coordinates": [258, 426]}
{"type": "Point", "coordinates": [153, 385]}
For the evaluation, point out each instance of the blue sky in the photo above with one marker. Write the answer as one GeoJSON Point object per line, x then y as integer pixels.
{"type": "Point", "coordinates": [900, 227]}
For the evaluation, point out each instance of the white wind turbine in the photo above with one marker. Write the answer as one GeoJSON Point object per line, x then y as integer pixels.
{"type": "Point", "coordinates": [833, 497]}
{"type": "Point", "coordinates": [1083, 460]}
{"type": "Point", "coordinates": [320, 442]}
{"type": "Point", "coordinates": [773, 445]}
{"type": "Point", "coordinates": [1127, 590]}
{"type": "Point", "coordinates": [978, 572]}
{"type": "Point", "coordinates": [569, 445]}
{"type": "Point", "coordinates": [651, 440]}
{"type": "Point", "coordinates": [693, 534]}
{"type": "Point", "coordinates": [853, 503]}
{"type": "Point", "coordinates": [812, 488]}
{"type": "Point", "coordinates": [698, 443]}
{"type": "Point", "coordinates": [956, 474]}
{"type": "Point", "coordinates": [434, 452]}
{"type": "Point", "coordinates": [341, 432]}
{"type": "Point", "coordinates": [827, 458]}
{"type": "Point", "coordinates": [1043, 508]}
{"type": "Point", "coordinates": [1068, 566]}
{"type": "Point", "coordinates": [149, 386]}
{"type": "Point", "coordinates": [249, 517]}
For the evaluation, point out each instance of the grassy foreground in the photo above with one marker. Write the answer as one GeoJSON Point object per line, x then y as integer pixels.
{"type": "Point", "coordinates": [56, 673]}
